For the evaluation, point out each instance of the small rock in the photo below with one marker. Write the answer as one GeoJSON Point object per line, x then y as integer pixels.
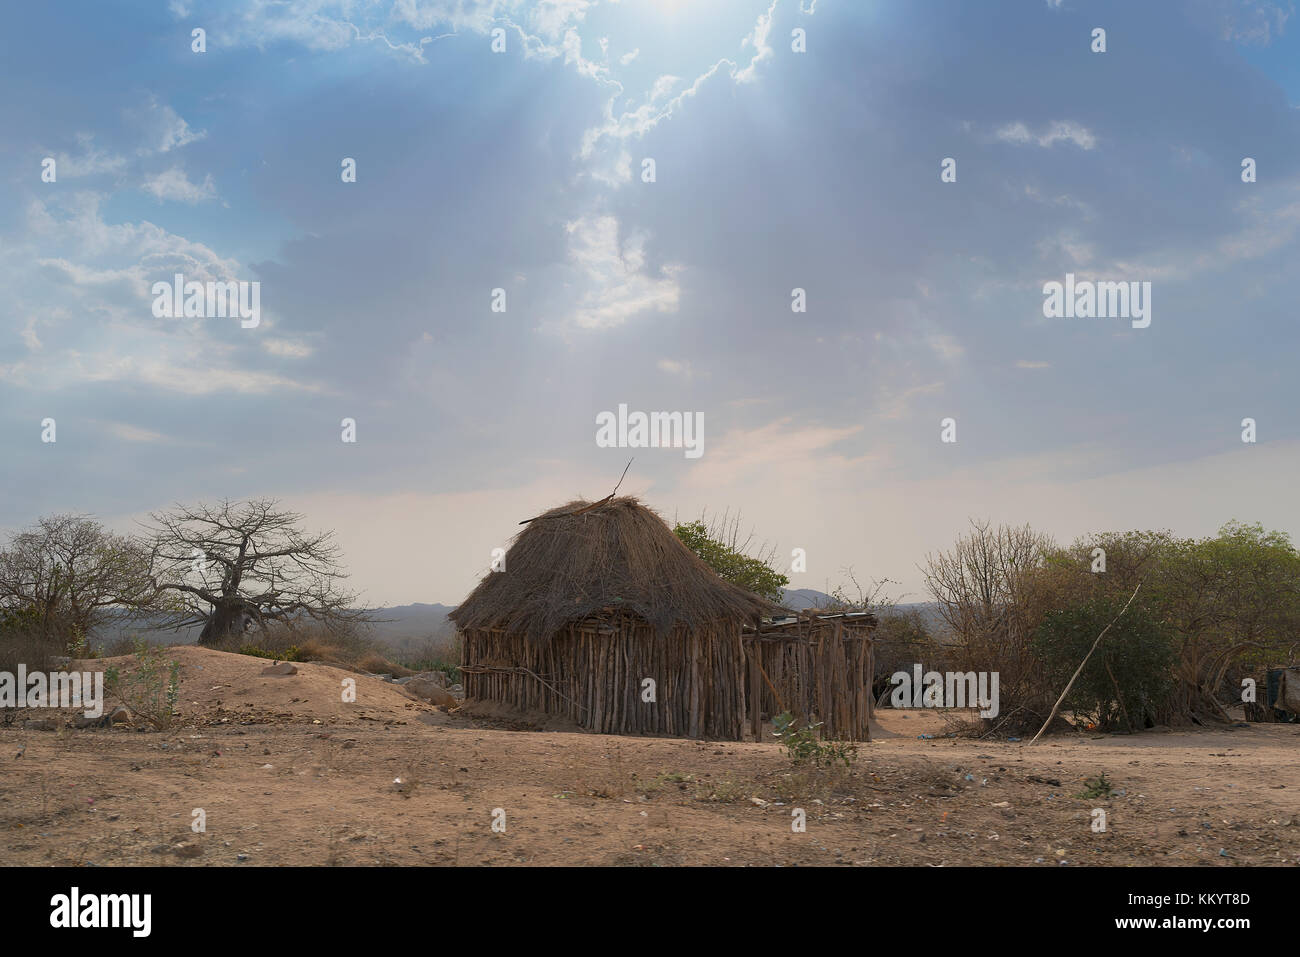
{"type": "Point", "coordinates": [426, 689]}
{"type": "Point", "coordinates": [280, 669]}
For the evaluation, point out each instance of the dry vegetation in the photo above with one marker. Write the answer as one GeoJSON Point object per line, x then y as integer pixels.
{"type": "Point", "coordinates": [289, 775]}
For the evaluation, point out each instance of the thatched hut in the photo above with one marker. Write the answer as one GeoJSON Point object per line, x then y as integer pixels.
{"type": "Point", "coordinates": [594, 599]}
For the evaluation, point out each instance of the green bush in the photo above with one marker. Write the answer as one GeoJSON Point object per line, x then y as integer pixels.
{"type": "Point", "coordinates": [1127, 680]}
{"type": "Point", "coordinates": [23, 642]}
{"type": "Point", "coordinates": [1098, 787]}
{"type": "Point", "coordinates": [804, 745]}
{"type": "Point", "coordinates": [292, 653]}
{"type": "Point", "coordinates": [151, 690]}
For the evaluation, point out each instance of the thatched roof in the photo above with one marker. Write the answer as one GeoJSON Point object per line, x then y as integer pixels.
{"type": "Point", "coordinates": [616, 556]}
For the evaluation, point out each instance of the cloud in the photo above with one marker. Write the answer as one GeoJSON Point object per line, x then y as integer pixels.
{"type": "Point", "coordinates": [173, 184]}
{"type": "Point", "coordinates": [1018, 134]}
{"type": "Point", "coordinates": [88, 282]}
{"type": "Point", "coordinates": [636, 123]}
{"type": "Point", "coordinates": [75, 226]}
{"type": "Point", "coordinates": [757, 38]}
{"type": "Point", "coordinates": [29, 337]}
{"type": "Point", "coordinates": [745, 456]}
{"type": "Point", "coordinates": [553, 17]}
{"type": "Point", "coordinates": [1254, 22]}
{"type": "Point", "coordinates": [291, 349]}
{"type": "Point", "coordinates": [893, 404]}
{"type": "Point", "coordinates": [131, 433]}
{"type": "Point", "coordinates": [90, 161]}
{"type": "Point", "coordinates": [617, 288]}
{"type": "Point", "coordinates": [548, 29]}
{"type": "Point", "coordinates": [663, 86]}
{"type": "Point", "coordinates": [946, 347]}
{"type": "Point", "coordinates": [162, 128]}
{"type": "Point", "coordinates": [185, 373]}
{"type": "Point", "coordinates": [1266, 221]}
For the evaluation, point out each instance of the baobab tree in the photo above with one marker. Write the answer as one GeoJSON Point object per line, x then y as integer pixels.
{"type": "Point", "coordinates": [236, 565]}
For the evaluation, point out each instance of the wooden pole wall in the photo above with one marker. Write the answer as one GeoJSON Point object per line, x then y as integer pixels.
{"type": "Point", "coordinates": [709, 681]}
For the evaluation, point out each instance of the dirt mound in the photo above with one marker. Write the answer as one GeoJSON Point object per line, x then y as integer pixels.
{"type": "Point", "coordinates": [219, 687]}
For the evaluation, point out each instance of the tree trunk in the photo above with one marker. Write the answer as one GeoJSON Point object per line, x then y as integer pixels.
{"type": "Point", "coordinates": [226, 620]}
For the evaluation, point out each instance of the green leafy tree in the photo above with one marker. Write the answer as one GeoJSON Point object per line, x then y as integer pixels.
{"type": "Point", "coordinates": [1231, 601]}
{"type": "Point", "coordinates": [721, 552]}
{"type": "Point", "coordinates": [1234, 600]}
{"type": "Point", "coordinates": [69, 574]}
{"type": "Point", "coordinates": [1127, 681]}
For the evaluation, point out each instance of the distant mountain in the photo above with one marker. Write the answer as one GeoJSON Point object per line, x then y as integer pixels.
{"type": "Point", "coordinates": [397, 625]}
{"type": "Point", "coordinates": [800, 599]}
{"type": "Point", "coordinates": [929, 611]}
{"type": "Point", "coordinates": [419, 620]}
{"type": "Point", "coordinates": [119, 626]}
{"type": "Point", "coordinates": [406, 626]}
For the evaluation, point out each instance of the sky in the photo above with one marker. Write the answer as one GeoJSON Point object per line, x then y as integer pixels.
{"type": "Point", "coordinates": [503, 269]}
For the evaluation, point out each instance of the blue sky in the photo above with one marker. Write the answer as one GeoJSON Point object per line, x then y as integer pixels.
{"type": "Point", "coordinates": [775, 169]}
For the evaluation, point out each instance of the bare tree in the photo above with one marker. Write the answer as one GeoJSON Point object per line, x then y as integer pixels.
{"type": "Point", "coordinates": [850, 594]}
{"type": "Point", "coordinates": [70, 573]}
{"type": "Point", "coordinates": [991, 598]}
{"type": "Point", "coordinates": [236, 565]}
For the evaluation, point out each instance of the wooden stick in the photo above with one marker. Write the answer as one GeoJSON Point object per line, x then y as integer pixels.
{"type": "Point", "coordinates": [587, 508]}
{"type": "Point", "coordinates": [1118, 696]}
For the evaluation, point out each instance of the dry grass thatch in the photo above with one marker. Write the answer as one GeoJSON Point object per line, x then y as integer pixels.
{"type": "Point", "coordinates": [616, 557]}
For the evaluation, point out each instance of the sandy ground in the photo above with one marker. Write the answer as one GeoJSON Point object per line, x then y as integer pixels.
{"type": "Point", "coordinates": [287, 773]}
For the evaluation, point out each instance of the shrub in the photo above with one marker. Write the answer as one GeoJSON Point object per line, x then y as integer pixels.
{"type": "Point", "coordinates": [151, 689]}
{"type": "Point", "coordinates": [436, 655]}
{"type": "Point", "coordinates": [1130, 676]}
{"type": "Point", "coordinates": [804, 745]}
{"type": "Point", "coordinates": [291, 653]}
{"type": "Point", "coordinates": [22, 641]}
{"type": "Point", "coordinates": [1094, 788]}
